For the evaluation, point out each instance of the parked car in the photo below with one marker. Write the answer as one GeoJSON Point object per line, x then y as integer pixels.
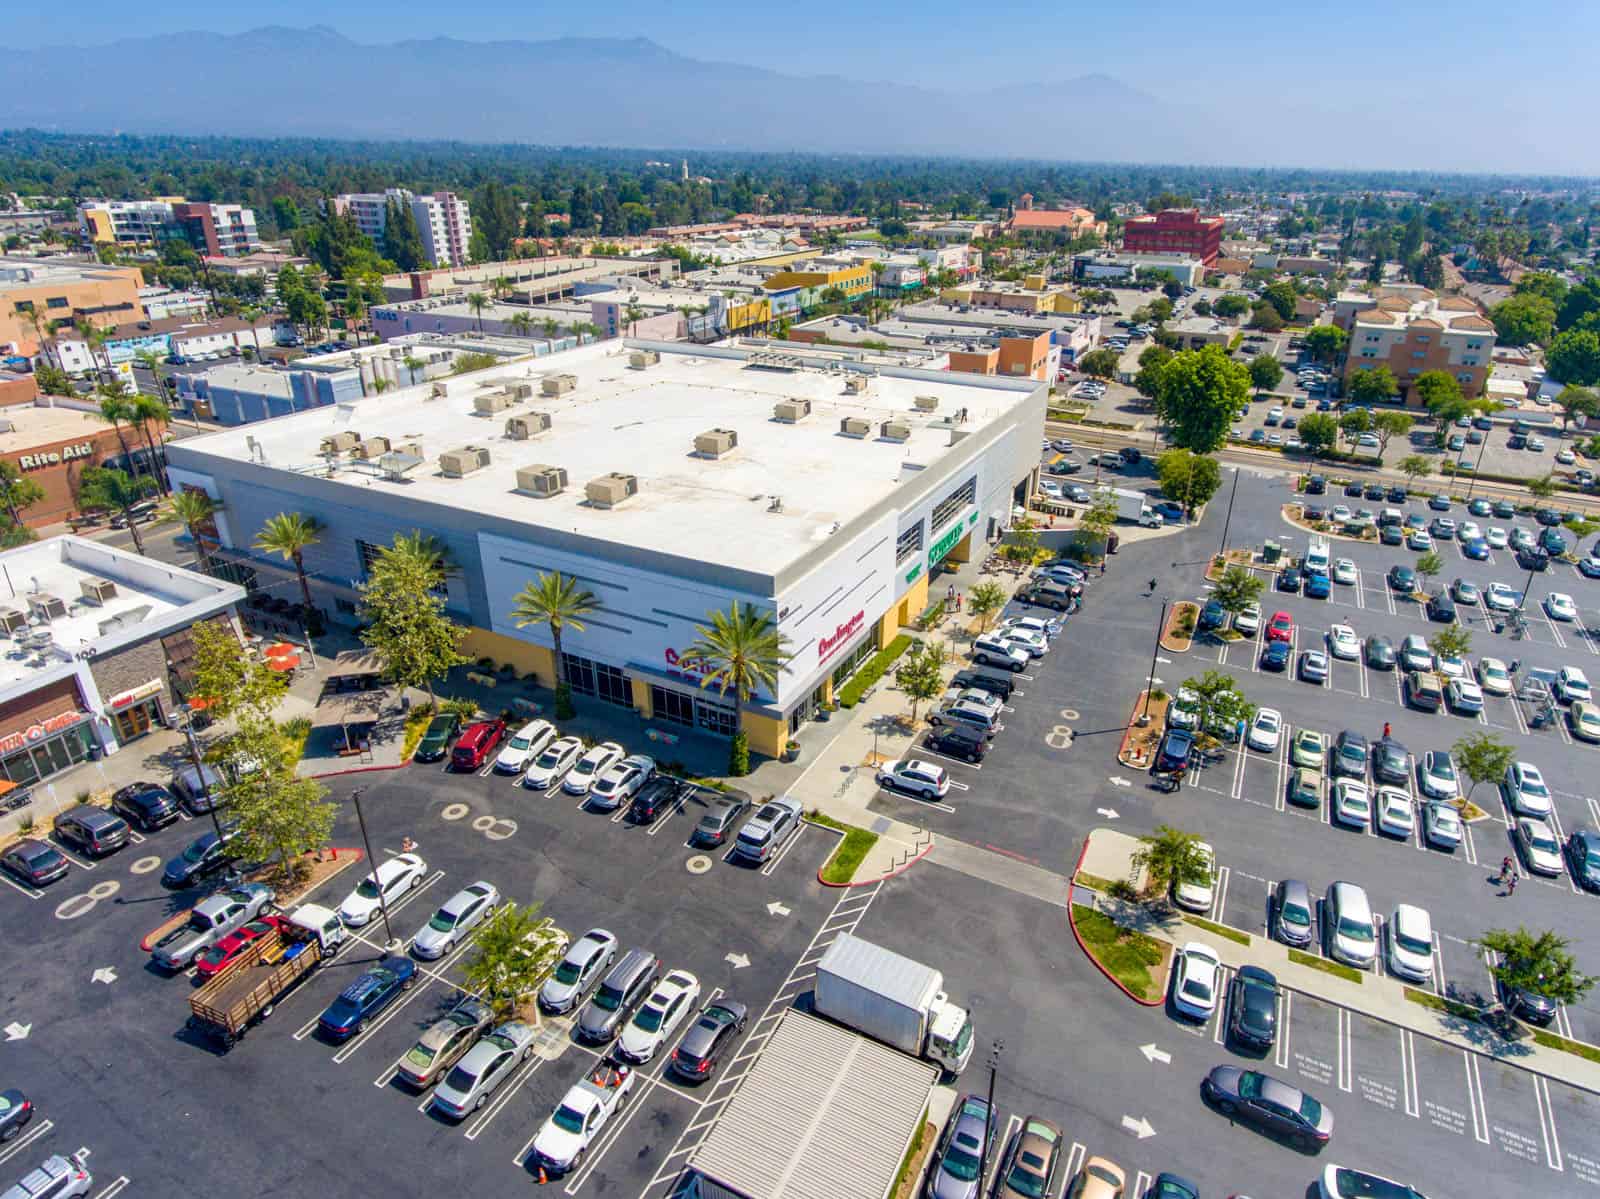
{"type": "Point", "coordinates": [146, 806]}
{"type": "Point", "coordinates": [654, 1024]}
{"type": "Point", "coordinates": [35, 862]}
{"type": "Point", "coordinates": [551, 766]}
{"type": "Point", "coordinates": [585, 961]}
{"type": "Point", "coordinates": [352, 1012]}
{"type": "Point", "coordinates": [612, 1005]}
{"type": "Point", "coordinates": [486, 1065]}
{"type": "Point", "coordinates": [1028, 1170]}
{"type": "Point", "coordinates": [1410, 952]}
{"type": "Point", "coordinates": [656, 798]}
{"type": "Point", "coordinates": [1253, 1007]}
{"type": "Point", "coordinates": [768, 830]}
{"type": "Point", "coordinates": [1293, 913]}
{"type": "Point", "coordinates": [455, 920]}
{"type": "Point", "coordinates": [1280, 627]}
{"type": "Point", "coordinates": [916, 776]}
{"type": "Point", "coordinates": [525, 745]}
{"type": "Point", "coordinates": [1441, 824]}
{"type": "Point", "coordinates": [720, 820]}
{"type": "Point", "coordinates": [697, 1055]}
{"type": "Point", "coordinates": [211, 919]}
{"type": "Point", "coordinates": [443, 1043]}
{"type": "Point", "coordinates": [1278, 1108]}
{"type": "Point", "coordinates": [92, 831]}
{"type": "Point", "coordinates": [588, 769]}
{"type": "Point", "coordinates": [392, 879]}
{"type": "Point", "coordinates": [617, 784]}
{"type": "Point", "coordinates": [437, 738]}
{"type": "Point", "coordinates": [214, 959]}
{"type": "Point", "coordinates": [207, 855]}
{"type": "Point", "coordinates": [476, 743]}
{"type": "Point", "coordinates": [1195, 981]}
{"type": "Point", "coordinates": [1348, 930]}
{"type": "Point", "coordinates": [958, 743]}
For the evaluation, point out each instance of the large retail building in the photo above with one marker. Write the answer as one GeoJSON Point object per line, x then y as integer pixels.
{"type": "Point", "coordinates": [672, 481]}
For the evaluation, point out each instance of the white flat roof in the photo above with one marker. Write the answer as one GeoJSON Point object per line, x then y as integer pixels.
{"type": "Point", "coordinates": [643, 423]}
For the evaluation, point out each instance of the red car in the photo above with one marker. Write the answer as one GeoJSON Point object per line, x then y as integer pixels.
{"type": "Point", "coordinates": [217, 958]}
{"type": "Point", "coordinates": [477, 743]}
{"type": "Point", "coordinates": [1280, 627]}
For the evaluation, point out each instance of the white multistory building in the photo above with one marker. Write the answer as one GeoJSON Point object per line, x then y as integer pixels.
{"type": "Point", "coordinates": [444, 220]}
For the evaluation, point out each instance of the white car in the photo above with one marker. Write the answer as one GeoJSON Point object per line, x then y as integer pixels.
{"type": "Point", "coordinates": [591, 766]}
{"type": "Point", "coordinates": [652, 1026]}
{"type": "Point", "coordinates": [525, 745]}
{"type": "Point", "coordinates": [392, 879]}
{"type": "Point", "coordinates": [1342, 643]}
{"type": "Point", "coordinates": [1526, 791]}
{"type": "Point", "coordinates": [1437, 774]}
{"type": "Point", "coordinates": [455, 920]}
{"type": "Point", "coordinates": [1572, 685]}
{"type": "Point", "coordinates": [1048, 629]}
{"type": "Point", "coordinates": [554, 762]}
{"type": "Point", "coordinates": [619, 781]}
{"type": "Point", "coordinates": [1184, 711]}
{"type": "Point", "coordinates": [1566, 457]}
{"type": "Point", "coordinates": [1352, 803]}
{"type": "Point", "coordinates": [1341, 514]}
{"type": "Point", "coordinates": [1493, 676]}
{"type": "Point", "coordinates": [1050, 488]}
{"type": "Point", "coordinates": [1558, 605]}
{"type": "Point", "coordinates": [1395, 815]}
{"type": "Point", "coordinates": [1451, 666]}
{"type": "Point", "coordinates": [1497, 537]}
{"type": "Point", "coordinates": [1410, 932]}
{"type": "Point", "coordinates": [1028, 641]}
{"type": "Point", "coordinates": [1344, 571]}
{"type": "Point", "coordinates": [1497, 597]}
{"type": "Point", "coordinates": [1248, 622]}
{"type": "Point", "coordinates": [1441, 824]}
{"type": "Point", "coordinates": [1521, 539]}
{"type": "Point", "coordinates": [1194, 982]}
{"type": "Point", "coordinates": [1198, 897]}
{"type": "Point", "coordinates": [916, 776]}
{"type": "Point", "coordinates": [1539, 847]}
{"type": "Point", "coordinates": [1420, 540]}
{"type": "Point", "coordinates": [1464, 697]}
{"type": "Point", "coordinates": [1266, 730]}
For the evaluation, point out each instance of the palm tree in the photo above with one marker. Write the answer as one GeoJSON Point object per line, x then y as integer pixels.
{"type": "Point", "coordinates": [116, 408]}
{"type": "Point", "coordinates": [521, 323]}
{"type": "Point", "coordinates": [193, 510]}
{"type": "Point", "coordinates": [500, 287]}
{"type": "Point", "coordinates": [429, 549]}
{"type": "Point", "coordinates": [551, 326]}
{"type": "Point", "coordinates": [559, 601]}
{"type": "Point", "coordinates": [96, 338]}
{"type": "Point", "coordinates": [633, 314]}
{"type": "Point", "coordinates": [253, 314]}
{"type": "Point", "coordinates": [145, 411]}
{"type": "Point", "coordinates": [104, 487]}
{"type": "Point", "coordinates": [477, 301]}
{"type": "Point", "coordinates": [355, 308]}
{"type": "Point", "coordinates": [289, 534]}
{"type": "Point", "coordinates": [741, 649]}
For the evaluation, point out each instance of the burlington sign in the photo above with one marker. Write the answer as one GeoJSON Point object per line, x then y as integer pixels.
{"type": "Point", "coordinates": [840, 635]}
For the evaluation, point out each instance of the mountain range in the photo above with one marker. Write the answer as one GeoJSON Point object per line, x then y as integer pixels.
{"type": "Point", "coordinates": [280, 82]}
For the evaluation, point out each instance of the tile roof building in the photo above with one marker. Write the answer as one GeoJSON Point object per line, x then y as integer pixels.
{"type": "Point", "coordinates": [1414, 335]}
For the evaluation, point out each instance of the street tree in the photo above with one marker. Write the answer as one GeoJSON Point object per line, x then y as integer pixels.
{"type": "Point", "coordinates": [1022, 543]}
{"type": "Point", "coordinates": [1151, 362]}
{"type": "Point", "coordinates": [1265, 372]}
{"type": "Point", "coordinates": [1427, 566]}
{"type": "Point", "coordinates": [512, 952]}
{"type": "Point", "coordinates": [984, 600]}
{"type": "Point", "coordinates": [1219, 702]}
{"type": "Point", "coordinates": [289, 535]}
{"type": "Point", "coordinates": [193, 509]}
{"type": "Point", "coordinates": [1524, 320]}
{"type": "Point", "coordinates": [1230, 305]}
{"type": "Point", "coordinates": [1237, 589]}
{"type": "Point", "coordinates": [1319, 431]}
{"type": "Point", "coordinates": [1538, 963]}
{"type": "Point", "coordinates": [1188, 478]}
{"type": "Point", "coordinates": [18, 492]}
{"type": "Point", "coordinates": [1354, 423]}
{"type": "Point", "coordinates": [113, 490]}
{"type": "Point", "coordinates": [1198, 394]}
{"type": "Point", "coordinates": [1372, 385]}
{"type": "Point", "coordinates": [1265, 317]}
{"type": "Point", "coordinates": [1094, 526]}
{"type": "Point", "coordinates": [1281, 296]}
{"type": "Point", "coordinates": [1415, 466]}
{"type": "Point", "coordinates": [402, 605]}
{"type": "Point", "coordinates": [1325, 342]}
{"type": "Point", "coordinates": [1574, 357]}
{"type": "Point", "coordinates": [228, 679]}
{"type": "Point", "coordinates": [1170, 857]}
{"type": "Point", "coordinates": [1388, 425]}
{"type": "Point", "coordinates": [1482, 758]}
{"type": "Point", "coordinates": [561, 602]}
{"type": "Point", "coordinates": [1101, 364]}
{"type": "Point", "coordinates": [1576, 401]}
{"type": "Point", "coordinates": [280, 815]}
{"type": "Point", "coordinates": [1542, 487]}
{"type": "Point", "coordinates": [920, 675]}
{"type": "Point", "coordinates": [742, 650]}
{"type": "Point", "coordinates": [1452, 641]}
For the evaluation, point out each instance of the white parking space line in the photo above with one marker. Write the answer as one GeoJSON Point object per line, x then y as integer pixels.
{"type": "Point", "coordinates": [27, 1138]}
{"type": "Point", "coordinates": [1480, 1117]}
{"type": "Point", "coordinates": [1219, 898]}
{"type": "Point", "coordinates": [1075, 1159]}
{"type": "Point", "coordinates": [1438, 961]}
{"type": "Point", "coordinates": [1345, 1064]}
{"type": "Point", "coordinates": [1547, 1123]}
{"type": "Point", "coordinates": [1142, 1183]}
{"type": "Point", "coordinates": [1285, 1024]}
{"type": "Point", "coordinates": [71, 855]}
{"type": "Point", "coordinates": [1219, 1032]}
{"type": "Point", "coordinates": [1408, 1072]}
{"type": "Point", "coordinates": [117, 1186]}
{"type": "Point", "coordinates": [30, 892]}
{"type": "Point", "coordinates": [794, 840]}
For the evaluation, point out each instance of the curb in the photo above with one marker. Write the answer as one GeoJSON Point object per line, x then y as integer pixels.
{"type": "Point", "coordinates": [882, 878]}
{"type": "Point", "coordinates": [1127, 736]}
{"type": "Point", "coordinates": [1176, 608]}
{"type": "Point", "coordinates": [333, 774]}
{"type": "Point", "coordinates": [1076, 936]}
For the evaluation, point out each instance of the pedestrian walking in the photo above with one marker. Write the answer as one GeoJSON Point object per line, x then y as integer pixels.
{"type": "Point", "coordinates": [1102, 566]}
{"type": "Point", "coordinates": [958, 601]}
{"type": "Point", "coordinates": [950, 594]}
{"type": "Point", "coordinates": [1506, 867]}
{"type": "Point", "coordinates": [1385, 730]}
{"type": "Point", "coordinates": [1511, 885]}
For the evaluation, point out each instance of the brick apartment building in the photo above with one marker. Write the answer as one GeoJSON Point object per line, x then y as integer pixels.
{"type": "Point", "coordinates": [1175, 231]}
{"type": "Point", "coordinates": [1412, 336]}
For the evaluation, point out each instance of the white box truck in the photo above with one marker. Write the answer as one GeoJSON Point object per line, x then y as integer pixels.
{"type": "Point", "coordinates": [1131, 506]}
{"type": "Point", "coordinates": [894, 1000]}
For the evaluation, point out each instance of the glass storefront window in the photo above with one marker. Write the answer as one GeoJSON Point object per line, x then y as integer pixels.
{"type": "Point", "coordinates": [672, 706]}
{"type": "Point", "coordinates": [48, 757]}
{"type": "Point", "coordinates": [612, 685]}
{"type": "Point", "coordinates": [724, 722]}
{"type": "Point", "coordinates": [851, 661]}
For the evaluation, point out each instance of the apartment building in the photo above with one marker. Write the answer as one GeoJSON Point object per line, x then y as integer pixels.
{"type": "Point", "coordinates": [1033, 294]}
{"type": "Point", "coordinates": [444, 220]}
{"type": "Point", "coordinates": [42, 291]}
{"type": "Point", "coordinates": [127, 223]}
{"type": "Point", "coordinates": [218, 230]}
{"type": "Point", "coordinates": [1409, 337]}
{"type": "Point", "coordinates": [1175, 231]}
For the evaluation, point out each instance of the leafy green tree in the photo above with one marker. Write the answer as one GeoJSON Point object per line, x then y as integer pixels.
{"type": "Point", "coordinates": [1576, 401]}
{"type": "Point", "coordinates": [1265, 317]}
{"type": "Point", "coordinates": [1452, 641]}
{"type": "Point", "coordinates": [1230, 305]}
{"type": "Point", "coordinates": [289, 535]}
{"type": "Point", "coordinates": [1282, 298]}
{"type": "Point", "coordinates": [495, 214]}
{"type": "Point", "coordinates": [1219, 701]}
{"type": "Point", "coordinates": [1265, 371]}
{"type": "Point", "coordinates": [1388, 425]}
{"type": "Point", "coordinates": [1354, 423]}
{"type": "Point", "coordinates": [278, 813]}
{"type": "Point", "coordinates": [1170, 858]}
{"type": "Point", "coordinates": [1428, 565]}
{"type": "Point", "coordinates": [1537, 963]}
{"type": "Point", "coordinates": [1022, 542]}
{"type": "Point", "coordinates": [1372, 385]}
{"type": "Point", "coordinates": [112, 490]}
{"type": "Point", "coordinates": [1543, 487]}
{"type": "Point", "coordinates": [984, 600]}
{"type": "Point", "coordinates": [1151, 361]}
{"type": "Point", "coordinates": [512, 953]}
{"type": "Point", "coordinates": [402, 240]}
{"type": "Point", "coordinates": [1237, 589]}
{"type": "Point", "coordinates": [1524, 320]}
{"type": "Point", "coordinates": [1414, 467]}
{"type": "Point", "coordinates": [18, 492]}
{"type": "Point", "coordinates": [561, 602]}
{"type": "Point", "coordinates": [1094, 526]}
{"type": "Point", "coordinates": [921, 675]}
{"type": "Point", "coordinates": [1198, 393]}
{"type": "Point", "coordinates": [402, 605]}
{"type": "Point", "coordinates": [741, 649]}
{"type": "Point", "coordinates": [1577, 303]}
{"type": "Point", "coordinates": [1326, 342]}
{"type": "Point", "coordinates": [231, 681]}
{"type": "Point", "coordinates": [1188, 478]}
{"type": "Point", "coordinates": [1318, 431]}
{"type": "Point", "coordinates": [1574, 357]}
{"type": "Point", "coordinates": [1101, 364]}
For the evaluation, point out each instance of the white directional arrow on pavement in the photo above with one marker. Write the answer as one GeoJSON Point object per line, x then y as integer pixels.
{"type": "Point", "coordinates": [777, 909]}
{"type": "Point", "coordinates": [1140, 1127]}
{"type": "Point", "coordinates": [1164, 661]}
{"type": "Point", "coordinates": [17, 1032]}
{"type": "Point", "coordinates": [1155, 682]}
{"type": "Point", "coordinates": [737, 960]}
{"type": "Point", "coordinates": [1116, 782]}
{"type": "Point", "coordinates": [1108, 813]}
{"type": "Point", "coordinates": [104, 975]}
{"type": "Point", "coordinates": [1152, 1054]}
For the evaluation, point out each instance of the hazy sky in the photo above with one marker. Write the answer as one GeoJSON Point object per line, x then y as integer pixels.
{"type": "Point", "coordinates": [1520, 72]}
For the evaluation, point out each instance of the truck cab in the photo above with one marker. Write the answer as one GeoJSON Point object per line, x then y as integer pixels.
{"type": "Point", "coordinates": [949, 1035]}
{"type": "Point", "coordinates": [322, 924]}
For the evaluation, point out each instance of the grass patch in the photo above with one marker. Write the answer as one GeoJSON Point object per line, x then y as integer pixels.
{"type": "Point", "coordinates": [416, 724]}
{"type": "Point", "coordinates": [841, 864]}
{"type": "Point", "coordinates": [1221, 930]}
{"type": "Point", "coordinates": [872, 670]}
{"type": "Point", "coordinates": [1550, 1041]}
{"type": "Point", "coordinates": [905, 1177]}
{"type": "Point", "coordinates": [1338, 969]}
{"type": "Point", "coordinates": [1102, 885]}
{"type": "Point", "coordinates": [296, 731]}
{"type": "Point", "coordinates": [714, 784]}
{"type": "Point", "coordinates": [1450, 1007]}
{"type": "Point", "coordinates": [1126, 954]}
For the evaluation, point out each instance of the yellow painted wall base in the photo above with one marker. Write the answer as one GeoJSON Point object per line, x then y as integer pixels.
{"type": "Point", "coordinates": [910, 606]}
{"type": "Point", "coordinates": [766, 735]}
{"type": "Point", "coordinates": [641, 698]}
{"type": "Point", "coordinates": [888, 626]}
{"type": "Point", "coordinates": [961, 551]}
{"type": "Point", "coordinates": [524, 655]}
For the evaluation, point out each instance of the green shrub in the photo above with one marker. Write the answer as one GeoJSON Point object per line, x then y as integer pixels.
{"type": "Point", "coordinates": [739, 756]}
{"type": "Point", "coordinates": [462, 709]}
{"type": "Point", "coordinates": [564, 708]}
{"type": "Point", "coordinates": [872, 670]}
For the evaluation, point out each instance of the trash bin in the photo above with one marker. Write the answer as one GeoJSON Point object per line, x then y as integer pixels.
{"type": "Point", "coordinates": [1271, 551]}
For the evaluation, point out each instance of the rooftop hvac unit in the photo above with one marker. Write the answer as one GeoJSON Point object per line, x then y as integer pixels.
{"type": "Point", "coordinates": [643, 359]}
{"type": "Point", "coordinates": [555, 385]}
{"type": "Point", "coordinates": [338, 443]}
{"type": "Point", "coordinates": [893, 430]}
{"type": "Point", "coordinates": [97, 590]}
{"type": "Point", "coordinates": [490, 402]}
{"type": "Point", "coordinates": [610, 490]}
{"type": "Point", "coordinates": [791, 412]}
{"type": "Point", "coordinates": [13, 620]}
{"type": "Point", "coordinates": [855, 426]}
{"type": "Point", "coordinates": [397, 464]}
{"type": "Point", "coordinates": [542, 480]}
{"type": "Point", "coordinates": [855, 384]}
{"type": "Point", "coordinates": [456, 464]}
{"type": "Point", "coordinates": [372, 447]}
{"type": "Point", "coordinates": [520, 428]}
{"type": "Point", "coordinates": [715, 442]}
{"type": "Point", "coordinates": [927, 403]}
{"type": "Point", "coordinates": [47, 606]}
{"type": "Point", "coordinates": [520, 391]}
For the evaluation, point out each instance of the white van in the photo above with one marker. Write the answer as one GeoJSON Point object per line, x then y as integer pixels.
{"type": "Point", "coordinates": [1317, 555]}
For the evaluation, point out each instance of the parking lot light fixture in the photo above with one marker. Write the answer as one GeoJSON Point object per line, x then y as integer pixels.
{"type": "Point", "coordinates": [184, 715]}
{"type": "Point", "coordinates": [391, 942]}
{"type": "Point", "coordinates": [995, 1050]}
{"type": "Point", "coordinates": [1150, 683]}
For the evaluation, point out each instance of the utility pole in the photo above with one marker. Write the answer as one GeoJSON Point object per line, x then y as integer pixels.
{"type": "Point", "coordinates": [1144, 716]}
{"type": "Point", "coordinates": [995, 1050]}
{"type": "Point", "coordinates": [1228, 520]}
{"type": "Point", "coordinates": [391, 942]}
{"type": "Point", "coordinates": [185, 715]}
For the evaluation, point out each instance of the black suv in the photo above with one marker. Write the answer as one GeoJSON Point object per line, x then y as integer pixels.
{"type": "Point", "coordinates": [958, 743]}
{"type": "Point", "coordinates": [147, 806]}
{"type": "Point", "coordinates": [656, 798]}
{"type": "Point", "coordinates": [1533, 559]}
{"type": "Point", "coordinates": [202, 858]}
{"type": "Point", "coordinates": [983, 680]}
{"type": "Point", "coordinates": [1441, 607]}
{"type": "Point", "coordinates": [1316, 485]}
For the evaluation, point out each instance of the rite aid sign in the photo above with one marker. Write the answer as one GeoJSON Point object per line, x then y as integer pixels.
{"type": "Point", "coordinates": [66, 453]}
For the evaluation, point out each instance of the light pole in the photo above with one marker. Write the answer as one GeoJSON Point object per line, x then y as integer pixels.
{"type": "Point", "coordinates": [185, 715]}
{"type": "Point", "coordinates": [1233, 493]}
{"type": "Point", "coordinates": [392, 942]}
{"type": "Point", "coordinates": [995, 1050]}
{"type": "Point", "coordinates": [1473, 481]}
{"type": "Point", "coordinates": [1161, 627]}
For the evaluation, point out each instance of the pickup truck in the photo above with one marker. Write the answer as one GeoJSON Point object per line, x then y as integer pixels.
{"type": "Point", "coordinates": [212, 919]}
{"type": "Point", "coordinates": [248, 988]}
{"type": "Point", "coordinates": [579, 1117]}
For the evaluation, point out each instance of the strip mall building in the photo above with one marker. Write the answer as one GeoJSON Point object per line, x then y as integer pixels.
{"type": "Point", "coordinates": [672, 481]}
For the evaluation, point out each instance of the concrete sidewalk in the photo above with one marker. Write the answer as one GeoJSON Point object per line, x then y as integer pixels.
{"type": "Point", "coordinates": [1107, 855]}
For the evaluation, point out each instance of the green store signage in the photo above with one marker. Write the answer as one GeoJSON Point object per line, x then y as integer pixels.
{"type": "Point", "coordinates": [948, 542]}
{"type": "Point", "coordinates": [911, 575]}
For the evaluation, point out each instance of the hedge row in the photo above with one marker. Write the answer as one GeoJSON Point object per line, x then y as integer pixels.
{"type": "Point", "coordinates": [873, 670]}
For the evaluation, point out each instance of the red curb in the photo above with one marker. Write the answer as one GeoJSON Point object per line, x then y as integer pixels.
{"type": "Point", "coordinates": [882, 878]}
{"type": "Point", "coordinates": [1127, 735]}
{"type": "Point", "coordinates": [333, 774]}
{"type": "Point", "coordinates": [1076, 936]}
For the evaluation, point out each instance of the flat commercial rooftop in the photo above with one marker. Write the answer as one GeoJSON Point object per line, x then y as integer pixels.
{"type": "Point", "coordinates": [32, 425]}
{"type": "Point", "coordinates": [771, 500]}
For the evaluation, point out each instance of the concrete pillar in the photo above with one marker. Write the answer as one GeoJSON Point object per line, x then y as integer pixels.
{"type": "Point", "coordinates": [766, 735]}
{"type": "Point", "coordinates": [641, 698]}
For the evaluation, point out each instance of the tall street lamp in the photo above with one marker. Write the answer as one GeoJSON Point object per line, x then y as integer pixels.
{"type": "Point", "coordinates": [184, 716]}
{"type": "Point", "coordinates": [995, 1050]}
{"type": "Point", "coordinates": [391, 942]}
{"type": "Point", "coordinates": [1150, 684]}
